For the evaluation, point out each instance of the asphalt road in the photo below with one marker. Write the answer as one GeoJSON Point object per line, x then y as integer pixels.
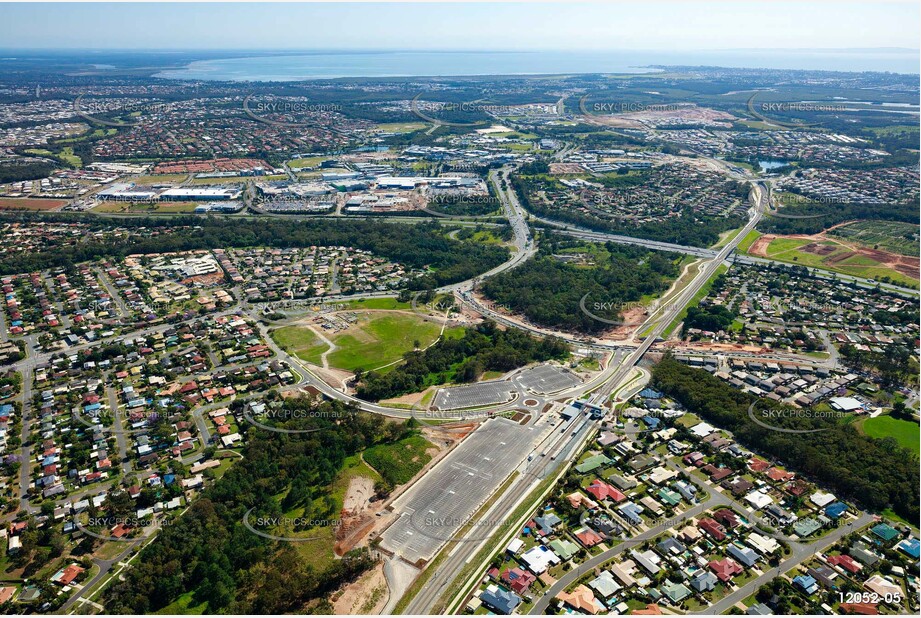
{"type": "Point", "coordinates": [800, 554]}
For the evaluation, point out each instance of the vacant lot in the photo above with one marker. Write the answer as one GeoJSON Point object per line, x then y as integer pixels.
{"type": "Point", "coordinates": [378, 338]}
{"type": "Point", "coordinates": [130, 209]}
{"type": "Point", "coordinates": [28, 203]}
{"type": "Point", "coordinates": [822, 251]}
{"type": "Point", "coordinates": [157, 179]}
{"type": "Point", "coordinates": [399, 462]}
{"type": "Point", "coordinates": [300, 342]}
{"type": "Point", "coordinates": [401, 127]}
{"type": "Point", "coordinates": [906, 433]}
{"type": "Point", "coordinates": [893, 236]}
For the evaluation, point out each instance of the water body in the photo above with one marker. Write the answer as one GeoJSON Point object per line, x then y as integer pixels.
{"type": "Point", "coordinates": [338, 64]}
{"type": "Point", "coordinates": [767, 166]}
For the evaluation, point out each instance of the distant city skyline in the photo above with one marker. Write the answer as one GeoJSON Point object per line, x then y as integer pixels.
{"type": "Point", "coordinates": [653, 26]}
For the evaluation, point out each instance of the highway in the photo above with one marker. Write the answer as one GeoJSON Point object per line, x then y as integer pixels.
{"type": "Point", "coordinates": [574, 434]}
{"type": "Point", "coordinates": [610, 379]}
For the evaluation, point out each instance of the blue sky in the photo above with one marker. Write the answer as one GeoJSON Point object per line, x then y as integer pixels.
{"type": "Point", "coordinates": [636, 24]}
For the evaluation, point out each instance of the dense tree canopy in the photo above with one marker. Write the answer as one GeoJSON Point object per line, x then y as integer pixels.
{"type": "Point", "coordinates": [209, 553]}
{"type": "Point", "coordinates": [549, 292]}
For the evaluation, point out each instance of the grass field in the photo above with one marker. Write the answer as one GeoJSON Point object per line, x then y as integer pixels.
{"type": "Point", "coordinates": [300, 342]}
{"type": "Point", "coordinates": [746, 243]}
{"type": "Point", "coordinates": [66, 155]}
{"type": "Point", "coordinates": [306, 162]}
{"type": "Point", "coordinates": [725, 237]}
{"type": "Point", "coordinates": [906, 433]}
{"type": "Point", "coordinates": [376, 340]}
{"type": "Point", "coordinates": [28, 203]}
{"type": "Point", "coordinates": [156, 179]}
{"type": "Point", "coordinates": [184, 605]}
{"type": "Point", "coordinates": [229, 181]}
{"type": "Point", "coordinates": [401, 127]}
{"type": "Point", "coordinates": [401, 461]}
{"type": "Point", "coordinates": [893, 236]}
{"type": "Point", "coordinates": [892, 129]}
{"type": "Point", "coordinates": [377, 303]}
{"type": "Point", "coordinates": [380, 339]}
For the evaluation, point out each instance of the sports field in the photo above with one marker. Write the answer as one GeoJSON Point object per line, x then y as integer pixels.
{"type": "Point", "coordinates": [378, 338]}
{"type": "Point", "coordinates": [906, 433]}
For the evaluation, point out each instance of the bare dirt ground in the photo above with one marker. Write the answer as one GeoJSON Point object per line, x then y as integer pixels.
{"type": "Point", "coordinates": [366, 595]}
{"type": "Point", "coordinates": [759, 247]}
{"type": "Point", "coordinates": [566, 168]}
{"type": "Point", "coordinates": [358, 495]}
{"type": "Point", "coordinates": [655, 117]}
{"type": "Point", "coordinates": [410, 399]}
{"type": "Point", "coordinates": [719, 347]}
{"type": "Point", "coordinates": [334, 377]}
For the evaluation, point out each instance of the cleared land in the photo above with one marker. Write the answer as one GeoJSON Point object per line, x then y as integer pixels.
{"type": "Point", "coordinates": [894, 236]}
{"type": "Point", "coordinates": [821, 251]}
{"type": "Point", "coordinates": [401, 461]}
{"type": "Point", "coordinates": [379, 339]}
{"type": "Point", "coordinates": [129, 208]}
{"type": "Point", "coordinates": [401, 127]}
{"type": "Point", "coordinates": [301, 342]}
{"type": "Point", "coordinates": [28, 203]}
{"type": "Point", "coordinates": [158, 179]}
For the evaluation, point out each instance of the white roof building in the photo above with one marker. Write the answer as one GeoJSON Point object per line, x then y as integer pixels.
{"type": "Point", "coordinates": [758, 499]}
{"type": "Point", "coordinates": [822, 499]}
{"type": "Point", "coordinates": [539, 559]}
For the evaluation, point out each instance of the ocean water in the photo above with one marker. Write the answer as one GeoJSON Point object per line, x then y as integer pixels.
{"type": "Point", "coordinates": [329, 65]}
